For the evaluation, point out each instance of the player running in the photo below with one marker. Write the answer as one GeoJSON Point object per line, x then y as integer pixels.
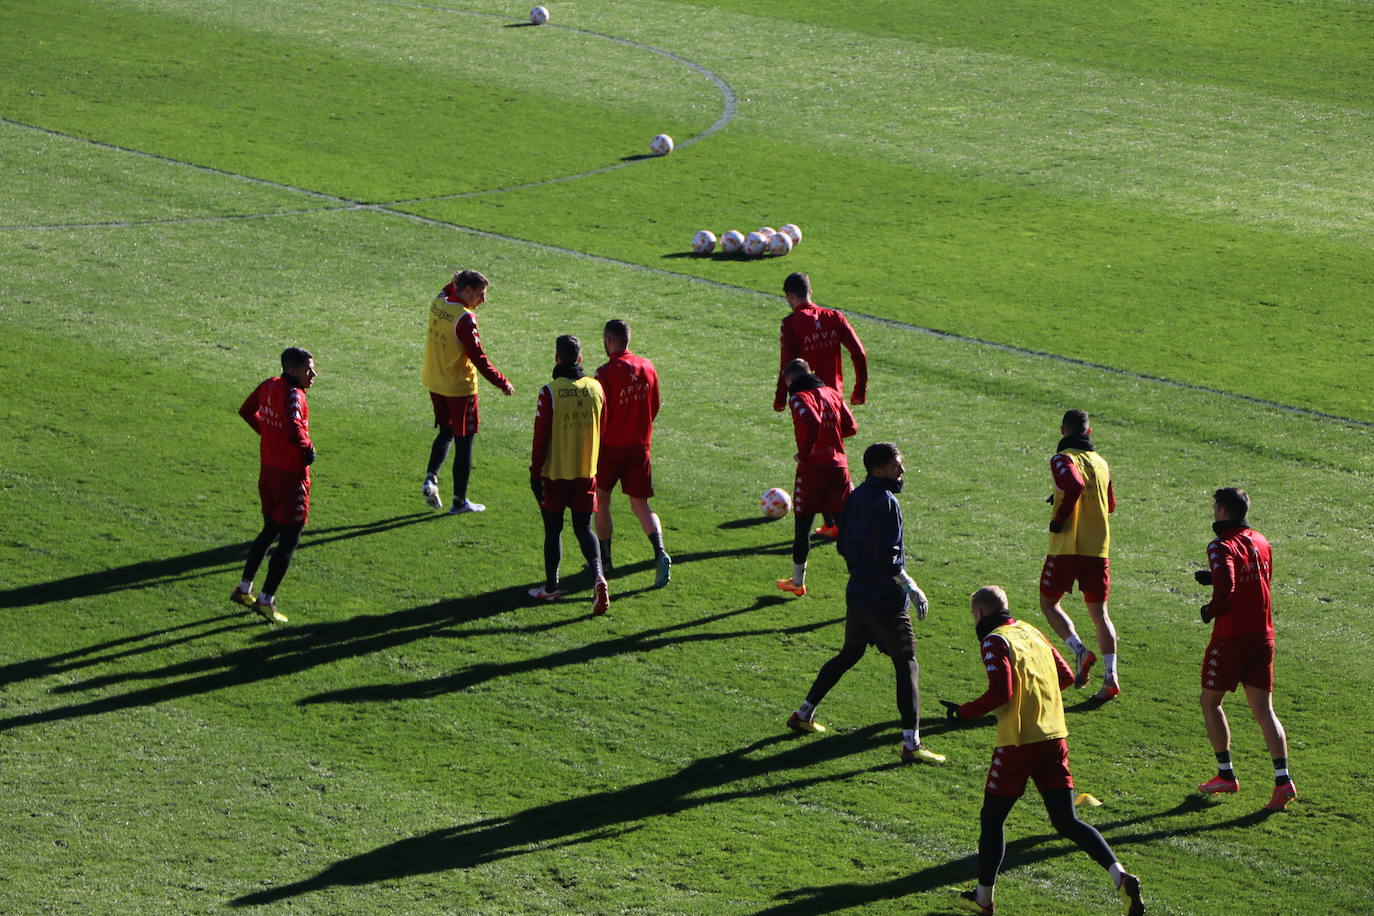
{"type": "Point", "coordinates": [453, 357]}
{"type": "Point", "coordinates": [1026, 676]}
{"type": "Point", "coordinates": [877, 600]}
{"type": "Point", "coordinates": [277, 411]}
{"type": "Point", "coordinates": [631, 388]}
{"type": "Point", "coordinates": [567, 436]}
{"type": "Point", "coordinates": [1080, 537]}
{"type": "Point", "coordinates": [821, 422]}
{"type": "Point", "coordinates": [816, 334]}
{"type": "Point", "coordinates": [1241, 650]}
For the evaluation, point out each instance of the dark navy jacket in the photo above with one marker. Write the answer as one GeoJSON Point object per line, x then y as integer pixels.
{"type": "Point", "coordinates": [871, 543]}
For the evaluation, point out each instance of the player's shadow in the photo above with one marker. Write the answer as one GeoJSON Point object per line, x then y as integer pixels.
{"type": "Point", "coordinates": [152, 573]}
{"type": "Point", "coordinates": [750, 522]}
{"type": "Point", "coordinates": [723, 778]}
{"type": "Point", "coordinates": [712, 256]}
{"type": "Point", "coordinates": [1020, 853]}
{"type": "Point", "coordinates": [636, 644]}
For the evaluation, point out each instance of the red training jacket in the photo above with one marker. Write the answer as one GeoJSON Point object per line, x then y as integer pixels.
{"type": "Point", "coordinates": [1241, 566]}
{"type": "Point", "coordinates": [279, 414]}
{"type": "Point", "coordinates": [631, 387]}
{"type": "Point", "coordinates": [822, 422]}
{"type": "Point", "coordinates": [816, 334]}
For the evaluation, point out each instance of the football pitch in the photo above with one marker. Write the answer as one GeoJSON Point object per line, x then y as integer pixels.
{"type": "Point", "coordinates": [1160, 212]}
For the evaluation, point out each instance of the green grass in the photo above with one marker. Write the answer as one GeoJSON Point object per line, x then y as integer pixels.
{"type": "Point", "coordinates": [421, 739]}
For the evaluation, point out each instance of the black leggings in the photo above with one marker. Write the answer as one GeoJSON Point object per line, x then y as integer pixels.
{"type": "Point", "coordinates": [287, 537]}
{"type": "Point", "coordinates": [1059, 805]}
{"type": "Point", "coordinates": [553, 544]}
{"type": "Point", "coordinates": [462, 461]}
{"type": "Point", "coordinates": [906, 670]}
{"type": "Point", "coordinates": [801, 536]}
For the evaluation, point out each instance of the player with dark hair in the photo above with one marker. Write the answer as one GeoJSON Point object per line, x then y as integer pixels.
{"type": "Point", "coordinates": [1080, 538]}
{"type": "Point", "coordinates": [877, 600]}
{"type": "Point", "coordinates": [816, 335]}
{"type": "Point", "coordinates": [277, 411]}
{"type": "Point", "coordinates": [567, 437]}
{"type": "Point", "coordinates": [453, 358]}
{"type": "Point", "coordinates": [630, 384]}
{"type": "Point", "coordinates": [1026, 676]}
{"type": "Point", "coordinates": [1241, 650]}
{"type": "Point", "coordinates": [821, 422]}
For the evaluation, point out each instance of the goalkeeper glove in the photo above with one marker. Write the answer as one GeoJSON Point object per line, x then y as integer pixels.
{"type": "Point", "coordinates": [913, 593]}
{"type": "Point", "coordinates": [951, 709]}
{"type": "Point", "coordinates": [1056, 526]}
{"type": "Point", "coordinates": [1207, 613]}
{"type": "Point", "coordinates": [1203, 576]}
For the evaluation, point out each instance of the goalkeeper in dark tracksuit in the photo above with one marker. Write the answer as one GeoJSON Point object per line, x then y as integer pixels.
{"type": "Point", "coordinates": [876, 599]}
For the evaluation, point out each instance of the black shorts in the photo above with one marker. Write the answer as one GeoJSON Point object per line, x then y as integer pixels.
{"type": "Point", "coordinates": [886, 628]}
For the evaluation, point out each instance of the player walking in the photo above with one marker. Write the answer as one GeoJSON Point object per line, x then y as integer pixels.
{"type": "Point", "coordinates": [1241, 650]}
{"type": "Point", "coordinates": [816, 335]}
{"type": "Point", "coordinates": [277, 411]}
{"type": "Point", "coordinates": [821, 422]}
{"type": "Point", "coordinates": [631, 388]}
{"type": "Point", "coordinates": [1025, 678]}
{"type": "Point", "coordinates": [1080, 537]}
{"type": "Point", "coordinates": [877, 599]}
{"type": "Point", "coordinates": [453, 357]}
{"type": "Point", "coordinates": [567, 437]}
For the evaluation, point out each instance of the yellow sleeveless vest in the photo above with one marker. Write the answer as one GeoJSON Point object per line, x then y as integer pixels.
{"type": "Point", "coordinates": [1086, 532]}
{"type": "Point", "coordinates": [575, 444]}
{"type": "Point", "coordinates": [447, 369]}
{"type": "Point", "coordinates": [1035, 711]}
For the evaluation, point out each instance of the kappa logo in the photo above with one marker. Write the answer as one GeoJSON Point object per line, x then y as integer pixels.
{"type": "Point", "coordinates": [989, 656]}
{"type": "Point", "coordinates": [992, 667]}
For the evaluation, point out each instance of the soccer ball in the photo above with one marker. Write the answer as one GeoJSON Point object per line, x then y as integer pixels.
{"type": "Point", "coordinates": [732, 242]}
{"type": "Point", "coordinates": [775, 503]}
{"type": "Point", "coordinates": [793, 232]}
{"type": "Point", "coordinates": [661, 145]}
{"type": "Point", "coordinates": [704, 242]}
{"type": "Point", "coordinates": [755, 244]}
{"type": "Point", "coordinates": [779, 243]}
{"type": "Point", "coordinates": [767, 232]}
{"type": "Point", "coordinates": [539, 15]}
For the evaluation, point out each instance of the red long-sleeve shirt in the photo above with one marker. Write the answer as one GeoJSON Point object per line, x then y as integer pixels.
{"type": "Point", "coordinates": [1240, 561]}
{"type": "Point", "coordinates": [1068, 478]}
{"type": "Point", "coordinates": [465, 329]}
{"type": "Point", "coordinates": [816, 334]}
{"type": "Point", "coordinates": [277, 411]}
{"type": "Point", "coordinates": [821, 421]}
{"type": "Point", "coordinates": [1001, 678]}
{"type": "Point", "coordinates": [631, 386]}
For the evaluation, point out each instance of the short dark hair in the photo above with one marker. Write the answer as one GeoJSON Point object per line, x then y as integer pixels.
{"type": "Point", "coordinates": [799, 284]}
{"type": "Point", "coordinates": [1234, 500]}
{"type": "Point", "coordinates": [294, 358]}
{"type": "Point", "coordinates": [568, 349]}
{"type": "Point", "coordinates": [879, 454]}
{"type": "Point", "coordinates": [796, 365]}
{"type": "Point", "coordinates": [1076, 421]}
{"type": "Point", "coordinates": [619, 331]}
{"type": "Point", "coordinates": [464, 279]}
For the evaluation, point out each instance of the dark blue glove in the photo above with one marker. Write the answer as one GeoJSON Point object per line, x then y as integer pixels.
{"type": "Point", "coordinates": [1207, 613]}
{"type": "Point", "coordinates": [1203, 576]}
{"type": "Point", "coordinates": [1056, 526]}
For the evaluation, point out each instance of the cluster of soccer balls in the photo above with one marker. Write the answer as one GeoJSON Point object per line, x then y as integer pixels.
{"type": "Point", "coordinates": [765, 240]}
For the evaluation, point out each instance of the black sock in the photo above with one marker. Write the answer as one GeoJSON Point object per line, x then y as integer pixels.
{"type": "Point", "coordinates": [656, 539]}
{"type": "Point", "coordinates": [1281, 764]}
{"type": "Point", "coordinates": [1224, 765]}
{"type": "Point", "coordinates": [606, 554]}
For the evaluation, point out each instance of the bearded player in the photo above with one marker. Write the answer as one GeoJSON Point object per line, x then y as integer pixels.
{"type": "Point", "coordinates": [277, 411]}
{"type": "Point", "coordinates": [816, 334]}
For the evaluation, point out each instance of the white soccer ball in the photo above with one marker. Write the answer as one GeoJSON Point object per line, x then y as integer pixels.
{"type": "Point", "coordinates": [755, 244]}
{"type": "Point", "coordinates": [732, 242]}
{"type": "Point", "coordinates": [661, 145]}
{"type": "Point", "coordinates": [775, 503]}
{"type": "Point", "coordinates": [767, 231]}
{"type": "Point", "coordinates": [539, 15]}
{"type": "Point", "coordinates": [779, 243]}
{"type": "Point", "coordinates": [793, 232]}
{"type": "Point", "coordinates": [704, 242]}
